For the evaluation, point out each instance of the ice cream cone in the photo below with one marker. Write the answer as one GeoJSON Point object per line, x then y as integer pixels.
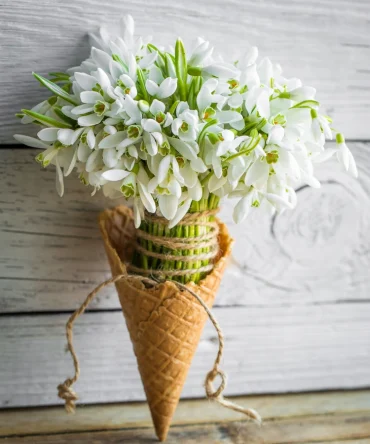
{"type": "Point", "coordinates": [165, 323]}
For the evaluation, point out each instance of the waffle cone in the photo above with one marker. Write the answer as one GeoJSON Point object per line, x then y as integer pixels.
{"type": "Point", "coordinates": [164, 323]}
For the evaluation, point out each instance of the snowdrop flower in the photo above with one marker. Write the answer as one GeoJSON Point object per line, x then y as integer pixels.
{"type": "Point", "coordinates": [164, 128]}
{"type": "Point", "coordinates": [221, 70]}
{"type": "Point", "coordinates": [94, 103]}
{"type": "Point", "coordinates": [165, 89]}
{"type": "Point", "coordinates": [345, 156]}
{"type": "Point", "coordinates": [201, 53]}
{"type": "Point", "coordinates": [125, 85]}
{"type": "Point", "coordinates": [185, 124]}
{"type": "Point", "coordinates": [206, 98]}
{"type": "Point", "coordinates": [246, 205]}
{"type": "Point", "coordinates": [157, 109]}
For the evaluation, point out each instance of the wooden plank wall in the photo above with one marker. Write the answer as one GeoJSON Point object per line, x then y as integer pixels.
{"type": "Point", "coordinates": [294, 303]}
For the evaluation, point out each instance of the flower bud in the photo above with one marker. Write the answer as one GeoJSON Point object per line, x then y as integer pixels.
{"type": "Point", "coordinates": [143, 106]}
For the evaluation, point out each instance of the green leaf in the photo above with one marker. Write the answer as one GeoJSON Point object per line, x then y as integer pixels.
{"type": "Point", "coordinates": [141, 81]}
{"type": "Point", "coordinates": [19, 115]}
{"type": "Point", "coordinates": [194, 71]}
{"type": "Point", "coordinates": [197, 85]}
{"type": "Point", "coordinates": [203, 133]}
{"type": "Point", "coordinates": [55, 89]}
{"type": "Point", "coordinates": [247, 150]}
{"type": "Point", "coordinates": [62, 116]}
{"type": "Point", "coordinates": [170, 62]}
{"type": "Point", "coordinates": [174, 106]}
{"type": "Point", "coordinates": [191, 97]}
{"type": "Point", "coordinates": [306, 104]}
{"type": "Point", "coordinates": [181, 68]}
{"type": "Point", "coordinates": [118, 59]}
{"type": "Point", "coordinates": [153, 48]}
{"type": "Point", "coordinates": [60, 75]}
{"type": "Point", "coordinates": [47, 121]}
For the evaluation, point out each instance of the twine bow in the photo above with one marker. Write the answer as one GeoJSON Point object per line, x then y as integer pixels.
{"type": "Point", "coordinates": [66, 392]}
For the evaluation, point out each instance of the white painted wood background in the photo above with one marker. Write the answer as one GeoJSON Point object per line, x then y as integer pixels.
{"type": "Point", "coordinates": [294, 303]}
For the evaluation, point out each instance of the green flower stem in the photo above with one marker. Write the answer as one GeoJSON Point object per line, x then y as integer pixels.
{"type": "Point", "coordinates": [180, 231]}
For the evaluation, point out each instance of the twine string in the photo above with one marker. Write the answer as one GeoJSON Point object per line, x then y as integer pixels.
{"type": "Point", "coordinates": [208, 240]}
{"type": "Point", "coordinates": [66, 392]}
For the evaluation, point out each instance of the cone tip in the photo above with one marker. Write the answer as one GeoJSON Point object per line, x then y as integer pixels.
{"type": "Point", "coordinates": [161, 430]}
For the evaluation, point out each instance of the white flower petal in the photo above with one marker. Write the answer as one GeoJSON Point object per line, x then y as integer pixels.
{"type": "Point", "coordinates": [72, 164]}
{"type": "Point", "coordinates": [189, 175]}
{"type": "Point", "coordinates": [91, 139]}
{"type": "Point", "coordinates": [30, 141]}
{"type": "Point", "coordinates": [163, 168]}
{"type": "Point", "coordinates": [168, 205]}
{"type": "Point", "coordinates": [90, 97]}
{"type": "Point", "coordinates": [352, 168]}
{"type": "Point", "coordinates": [93, 162]}
{"type": "Point", "coordinates": [146, 198]}
{"type": "Point", "coordinates": [263, 104]}
{"type": "Point", "coordinates": [48, 134]}
{"type": "Point", "coordinates": [132, 109]}
{"type": "Point", "coordinates": [157, 107]}
{"type": "Point", "coordinates": [235, 100]}
{"type": "Point", "coordinates": [279, 200]}
{"type": "Point", "coordinates": [115, 175]}
{"type": "Point", "coordinates": [83, 152]}
{"type": "Point", "coordinates": [228, 116]}
{"type": "Point", "coordinates": [185, 149]}
{"type": "Point", "coordinates": [222, 70]}
{"type": "Point", "coordinates": [110, 157]}
{"type": "Point", "coordinates": [258, 173]}
{"type": "Point", "coordinates": [101, 58]}
{"type": "Point", "coordinates": [86, 81]}
{"type": "Point", "coordinates": [242, 208]}
{"type": "Point", "coordinates": [276, 135]}
{"type": "Point", "coordinates": [198, 165]}
{"type": "Point", "coordinates": [114, 140]}
{"type": "Point", "coordinates": [182, 210]}
{"type": "Point", "coordinates": [151, 125]}
{"type": "Point", "coordinates": [215, 183]}
{"type": "Point", "coordinates": [196, 191]}
{"type": "Point", "coordinates": [82, 109]}
{"type": "Point", "coordinates": [151, 87]}
{"type": "Point", "coordinates": [174, 188]}
{"type": "Point", "coordinates": [59, 182]}
{"type": "Point", "coordinates": [167, 88]}
{"type": "Point", "coordinates": [148, 60]}
{"type": "Point", "coordinates": [150, 144]}
{"type": "Point", "coordinates": [90, 120]}
{"type": "Point", "coordinates": [155, 75]}
{"type": "Point", "coordinates": [138, 212]}
{"type": "Point", "coordinates": [66, 136]}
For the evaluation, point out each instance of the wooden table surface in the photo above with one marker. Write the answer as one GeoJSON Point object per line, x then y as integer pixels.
{"type": "Point", "coordinates": [323, 417]}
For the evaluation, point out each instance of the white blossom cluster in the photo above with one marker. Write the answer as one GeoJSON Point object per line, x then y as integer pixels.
{"type": "Point", "coordinates": [164, 128]}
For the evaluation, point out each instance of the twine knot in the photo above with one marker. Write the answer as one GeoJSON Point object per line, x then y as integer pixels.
{"type": "Point", "coordinates": [211, 376]}
{"type": "Point", "coordinates": [66, 392]}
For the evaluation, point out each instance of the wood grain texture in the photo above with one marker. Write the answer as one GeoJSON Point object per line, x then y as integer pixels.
{"type": "Point", "coordinates": [292, 431]}
{"type": "Point", "coordinates": [324, 44]}
{"type": "Point", "coordinates": [51, 253]}
{"type": "Point", "coordinates": [268, 350]}
{"type": "Point", "coordinates": [51, 420]}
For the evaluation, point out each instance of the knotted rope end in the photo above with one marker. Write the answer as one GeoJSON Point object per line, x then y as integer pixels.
{"type": "Point", "coordinates": [66, 392]}
{"type": "Point", "coordinates": [216, 395]}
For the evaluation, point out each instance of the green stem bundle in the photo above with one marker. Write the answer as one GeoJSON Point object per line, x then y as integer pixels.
{"type": "Point", "coordinates": [155, 228]}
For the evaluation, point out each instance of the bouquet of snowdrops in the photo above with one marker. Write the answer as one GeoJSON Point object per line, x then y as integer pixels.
{"type": "Point", "coordinates": [175, 131]}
